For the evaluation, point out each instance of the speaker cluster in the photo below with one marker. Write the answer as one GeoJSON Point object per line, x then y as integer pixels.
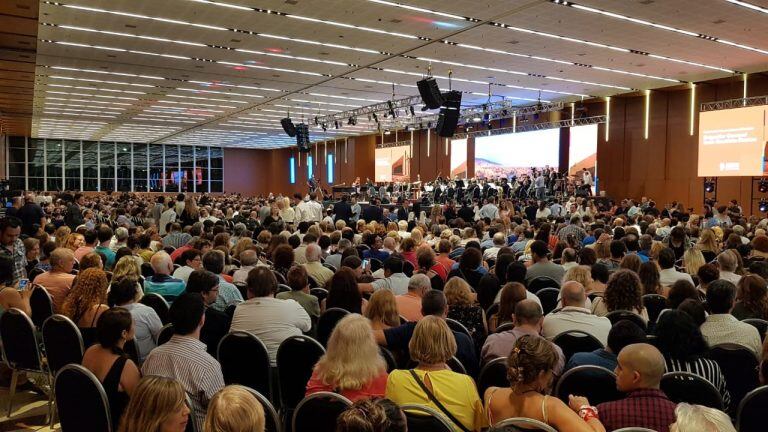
{"type": "Point", "coordinates": [448, 102]}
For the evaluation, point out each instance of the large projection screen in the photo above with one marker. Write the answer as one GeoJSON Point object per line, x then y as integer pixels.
{"type": "Point", "coordinates": [511, 155]}
{"type": "Point", "coordinates": [582, 152]}
{"type": "Point", "coordinates": [732, 142]}
{"type": "Point", "coordinates": [459, 158]}
{"type": "Point", "coordinates": [393, 164]}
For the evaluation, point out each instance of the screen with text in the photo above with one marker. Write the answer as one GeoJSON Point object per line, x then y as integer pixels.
{"type": "Point", "coordinates": [732, 142]}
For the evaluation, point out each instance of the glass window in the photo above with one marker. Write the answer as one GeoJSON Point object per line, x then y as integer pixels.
{"type": "Point", "coordinates": [90, 184]}
{"type": "Point", "coordinates": [90, 165]}
{"type": "Point", "coordinates": [217, 186]}
{"type": "Point", "coordinates": [107, 163]}
{"type": "Point", "coordinates": [292, 170]}
{"type": "Point", "coordinates": [17, 183]}
{"type": "Point", "coordinates": [16, 170]}
{"type": "Point", "coordinates": [36, 183]}
{"type": "Point", "coordinates": [72, 164]}
{"type": "Point", "coordinates": [16, 142]}
{"type": "Point", "coordinates": [329, 165]}
{"type": "Point", "coordinates": [53, 159]}
{"type": "Point", "coordinates": [156, 173]}
{"type": "Point", "coordinates": [187, 158]}
{"type": "Point", "coordinates": [16, 155]}
{"type": "Point", "coordinates": [107, 185]}
{"type": "Point", "coordinates": [217, 175]}
{"type": "Point", "coordinates": [54, 184]}
{"type": "Point", "coordinates": [201, 169]}
{"type": "Point", "coordinates": [91, 146]}
{"type": "Point", "coordinates": [217, 157]}
{"type": "Point", "coordinates": [172, 168]}
{"type": "Point", "coordinates": [124, 168]}
{"type": "Point", "coordinates": [140, 167]}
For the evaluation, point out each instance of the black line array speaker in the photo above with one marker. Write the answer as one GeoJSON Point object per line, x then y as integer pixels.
{"type": "Point", "coordinates": [430, 93]}
{"type": "Point", "coordinates": [302, 137]}
{"type": "Point", "coordinates": [288, 126]}
{"type": "Point", "coordinates": [449, 114]}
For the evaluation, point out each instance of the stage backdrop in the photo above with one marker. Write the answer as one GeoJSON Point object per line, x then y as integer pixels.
{"type": "Point", "coordinates": [393, 164]}
{"type": "Point", "coordinates": [459, 158]}
{"type": "Point", "coordinates": [732, 142]}
{"type": "Point", "coordinates": [514, 154]}
{"type": "Point", "coordinates": [583, 151]}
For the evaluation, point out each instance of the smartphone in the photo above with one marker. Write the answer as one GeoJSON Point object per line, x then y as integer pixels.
{"type": "Point", "coordinates": [365, 264]}
{"type": "Point", "coordinates": [23, 284]}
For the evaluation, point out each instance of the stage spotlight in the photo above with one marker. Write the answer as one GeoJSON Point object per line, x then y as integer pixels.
{"type": "Point", "coordinates": [535, 116]}
{"type": "Point", "coordinates": [391, 109]}
{"type": "Point", "coordinates": [317, 123]}
{"type": "Point", "coordinates": [429, 125]}
{"type": "Point", "coordinates": [477, 118]}
{"type": "Point", "coordinates": [375, 118]}
{"type": "Point", "coordinates": [421, 125]}
{"type": "Point", "coordinates": [490, 126]}
{"type": "Point", "coordinates": [413, 113]}
{"type": "Point", "coordinates": [763, 185]}
{"type": "Point", "coordinates": [387, 132]}
{"type": "Point", "coordinates": [324, 126]}
{"type": "Point", "coordinates": [763, 206]}
{"type": "Point", "coordinates": [709, 185]}
{"type": "Point", "coordinates": [351, 121]}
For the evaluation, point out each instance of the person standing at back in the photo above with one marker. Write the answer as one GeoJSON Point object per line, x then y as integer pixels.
{"type": "Point", "coordinates": [12, 246]}
{"type": "Point", "coordinates": [32, 216]}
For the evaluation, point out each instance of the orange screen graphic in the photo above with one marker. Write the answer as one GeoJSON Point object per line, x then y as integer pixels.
{"type": "Point", "coordinates": [732, 142]}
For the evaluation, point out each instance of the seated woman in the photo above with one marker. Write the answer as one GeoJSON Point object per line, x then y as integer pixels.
{"type": "Point", "coordinates": [352, 365]}
{"type": "Point", "coordinates": [126, 293]}
{"type": "Point", "coordinates": [511, 294]}
{"type": "Point", "coordinates": [234, 409]}
{"type": "Point", "coordinates": [427, 265]}
{"type": "Point", "coordinates": [462, 308]}
{"type": "Point", "coordinates": [343, 292]}
{"type": "Point", "coordinates": [468, 267]}
{"type": "Point", "coordinates": [157, 404]}
{"type": "Point", "coordinates": [650, 278]}
{"type": "Point", "coordinates": [623, 292]}
{"type": "Point", "coordinates": [106, 359]}
{"type": "Point", "coordinates": [684, 348]}
{"type": "Point", "coordinates": [382, 310]}
{"type": "Point", "coordinates": [751, 298]}
{"type": "Point", "coordinates": [86, 301]}
{"type": "Point", "coordinates": [372, 415]}
{"type": "Point", "coordinates": [529, 369]}
{"type": "Point", "coordinates": [431, 346]}
{"type": "Point", "coordinates": [126, 267]}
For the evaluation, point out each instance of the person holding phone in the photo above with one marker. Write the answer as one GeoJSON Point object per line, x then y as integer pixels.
{"type": "Point", "coordinates": [13, 296]}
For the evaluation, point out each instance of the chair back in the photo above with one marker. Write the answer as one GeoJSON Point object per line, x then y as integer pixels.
{"type": "Point", "coordinates": [63, 342]}
{"type": "Point", "coordinates": [542, 282]}
{"type": "Point", "coordinates": [313, 283]}
{"type": "Point", "coordinates": [320, 293]}
{"type": "Point", "coordinates": [456, 366]}
{"type": "Point", "coordinates": [690, 388]}
{"type": "Point", "coordinates": [131, 350]}
{"type": "Point", "coordinates": [760, 324]}
{"type": "Point", "coordinates": [19, 345]}
{"type": "Point", "coordinates": [81, 401]}
{"type": "Point", "coordinates": [330, 267]}
{"type": "Point", "coordinates": [245, 360]}
{"type": "Point", "coordinates": [493, 374]}
{"type": "Point", "coordinates": [654, 304]}
{"type": "Point", "coordinates": [272, 421]}
{"type": "Point", "coordinates": [457, 327]}
{"type": "Point", "coordinates": [166, 333]}
{"type": "Point", "coordinates": [318, 412]}
{"type": "Point", "coordinates": [492, 310]}
{"type": "Point", "coordinates": [548, 298]}
{"type": "Point", "coordinates": [35, 272]}
{"type": "Point", "coordinates": [159, 304]}
{"type": "Point", "coordinates": [573, 341]}
{"type": "Point", "coordinates": [749, 417]}
{"type": "Point", "coordinates": [505, 327]}
{"type": "Point", "coordinates": [408, 268]}
{"type": "Point", "coordinates": [619, 315]}
{"type": "Point", "coordinates": [279, 276]}
{"type": "Point", "coordinates": [41, 304]}
{"type": "Point", "coordinates": [634, 429]}
{"type": "Point", "coordinates": [327, 322]}
{"type": "Point", "coordinates": [296, 359]}
{"type": "Point", "coordinates": [389, 358]}
{"type": "Point", "coordinates": [425, 419]}
{"type": "Point", "coordinates": [242, 287]}
{"type": "Point", "coordinates": [597, 382]}
{"type": "Point", "coordinates": [516, 424]}
{"type": "Point", "coordinates": [375, 264]}
{"type": "Point", "coordinates": [739, 366]}
{"type": "Point", "coordinates": [282, 288]}
{"type": "Point", "coordinates": [147, 270]}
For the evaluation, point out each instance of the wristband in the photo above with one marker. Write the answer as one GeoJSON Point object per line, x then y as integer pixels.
{"type": "Point", "coordinates": [587, 412]}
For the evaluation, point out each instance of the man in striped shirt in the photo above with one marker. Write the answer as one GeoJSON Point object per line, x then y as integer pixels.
{"type": "Point", "coordinates": [184, 357]}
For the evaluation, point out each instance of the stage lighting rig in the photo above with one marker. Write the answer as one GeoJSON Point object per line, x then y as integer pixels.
{"type": "Point", "coordinates": [709, 185]}
{"type": "Point", "coordinates": [391, 109]}
{"type": "Point", "coordinates": [336, 124]}
{"type": "Point", "coordinates": [387, 132]}
{"type": "Point", "coordinates": [325, 127]}
{"type": "Point", "coordinates": [413, 113]}
{"type": "Point", "coordinates": [763, 185]}
{"type": "Point", "coordinates": [763, 206]}
{"type": "Point", "coordinates": [352, 121]}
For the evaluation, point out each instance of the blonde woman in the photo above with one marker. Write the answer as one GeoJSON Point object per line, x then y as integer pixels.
{"type": "Point", "coordinates": [74, 241]}
{"type": "Point", "coordinates": [287, 213]}
{"type": "Point", "coordinates": [157, 404]}
{"type": "Point", "coordinates": [431, 346]}
{"type": "Point", "coordinates": [352, 365]}
{"type": "Point", "coordinates": [708, 244]}
{"type": "Point", "coordinates": [245, 243]}
{"type": "Point", "coordinates": [382, 310]}
{"type": "Point", "coordinates": [656, 247]}
{"type": "Point", "coordinates": [693, 259]}
{"type": "Point", "coordinates": [127, 267]}
{"type": "Point", "coordinates": [583, 275]}
{"type": "Point", "coordinates": [463, 308]}
{"type": "Point", "coordinates": [234, 409]}
{"type": "Point", "coordinates": [62, 235]}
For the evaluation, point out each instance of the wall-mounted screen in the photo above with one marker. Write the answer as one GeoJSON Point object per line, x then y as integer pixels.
{"type": "Point", "coordinates": [459, 158]}
{"type": "Point", "coordinates": [732, 142]}
{"type": "Point", "coordinates": [393, 164]}
{"type": "Point", "coordinates": [583, 152]}
{"type": "Point", "coordinates": [513, 154]}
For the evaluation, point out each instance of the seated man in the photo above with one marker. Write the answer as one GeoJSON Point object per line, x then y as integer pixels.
{"type": "Point", "coordinates": [720, 326]}
{"type": "Point", "coordinates": [409, 304]}
{"type": "Point", "coordinates": [161, 282]}
{"type": "Point", "coordinates": [217, 323]}
{"type": "Point", "coordinates": [249, 259]}
{"type": "Point", "coordinates": [394, 278]}
{"type": "Point", "coordinates": [184, 358]}
{"type": "Point", "coordinates": [297, 280]}
{"type": "Point", "coordinates": [638, 373]}
{"type": "Point", "coordinates": [192, 259]}
{"type": "Point", "coordinates": [270, 319]}
{"type": "Point", "coordinates": [499, 241]}
{"type": "Point", "coordinates": [433, 303]}
{"type": "Point", "coordinates": [623, 333]}
{"type": "Point", "coordinates": [573, 315]}
{"type": "Point", "coordinates": [314, 267]}
{"type": "Point", "coordinates": [213, 261]}
{"type": "Point", "coordinates": [527, 320]}
{"type": "Point", "coordinates": [668, 275]}
{"type": "Point", "coordinates": [58, 281]}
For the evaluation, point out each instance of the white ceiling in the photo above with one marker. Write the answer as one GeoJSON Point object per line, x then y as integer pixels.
{"type": "Point", "coordinates": [205, 72]}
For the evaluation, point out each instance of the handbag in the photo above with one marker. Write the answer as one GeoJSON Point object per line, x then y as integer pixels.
{"type": "Point", "coordinates": [437, 403]}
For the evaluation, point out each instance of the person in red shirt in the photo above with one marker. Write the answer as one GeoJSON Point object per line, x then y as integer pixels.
{"type": "Point", "coordinates": [352, 366]}
{"type": "Point", "coordinates": [639, 371]}
{"type": "Point", "coordinates": [443, 249]}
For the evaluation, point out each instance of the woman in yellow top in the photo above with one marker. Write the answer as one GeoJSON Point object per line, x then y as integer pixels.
{"type": "Point", "coordinates": [431, 346]}
{"type": "Point", "coordinates": [529, 368]}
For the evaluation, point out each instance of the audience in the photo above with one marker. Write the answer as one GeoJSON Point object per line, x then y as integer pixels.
{"type": "Point", "coordinates": [352, 365]}
{"type": "Point", "coordinates": [161, 282]}
{"type": "Point", "coordinates": [344, 293]}
{"type": "Point", "coordinates": [462, 308]}
{"type": "Point", "coordinates": [58, 280]}
{"type": "Point", "coordinates": [623, 292]}
{"type": "Point", "coordinates": [698, 418]}
{"type": "Point", "coordinates": [622, 333]}
{"type": "Point", "coordinates": [10, 296]}
{"type": "Point", "coordinates": [574, 316]}
{"type": "Point", "coordinates": [372, 415]}
{"type": "Point", "coordinates": [192, 259]}
{"type": "Point", "coordinates": [542, 266]}
{"type": "Point", "coordinates": [751, 298]}
{"type": "Point", "coordinates": [299, 284]}
{"type": "Point", "coordinates": [86, 302]}
{"type": "Point", "coordinates": [720, 326]}
{"type": "Point", "coordinates": [214, 261]}
{"type": "Point", "coordinates": [158, 404]}
{"type": "Point", "coordinates": [409, 304]}
{"type": "Point", "coordinates": [234, 409]}
{"type": "Point", "coordinates": [728, 261]}
{"type": "Point", "coordinates": [668, 274]}
{"type": "Point", "coordinates": [382, 310]}
{"type": "Point", "coordinates": [146, 323]}
{"type": "Point", "coordinates": [217, 323]}
{"type": "Point", "coordinates": [314, 268]}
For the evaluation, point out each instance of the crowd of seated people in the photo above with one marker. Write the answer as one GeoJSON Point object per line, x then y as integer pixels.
{"type": "Point", "coordinates": [657, 289]}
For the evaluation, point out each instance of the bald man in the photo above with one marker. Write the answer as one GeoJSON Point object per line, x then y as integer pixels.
{"type": "Point", "coordinates": [639, 371]}
{"type": "Point", "coordinates": [314, 267]}
{"type": "Point", "coordinates": [574, 316]}
{"type": "Point", "coordinates": [161, 282]}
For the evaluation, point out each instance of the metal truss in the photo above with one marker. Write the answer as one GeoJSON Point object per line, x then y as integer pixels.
{"type": "Point", "coordinates": [534, 127]}
{"type": "Point", "coordinates": [734, 103]}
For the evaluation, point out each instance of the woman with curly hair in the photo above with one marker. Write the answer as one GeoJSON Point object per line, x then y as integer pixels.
{"type": "Point", "coordinates": [463, 308]}
{"type": "Point", "coordinates": [623, 292]}
{"type": "Point", "coordinates": [246, 243]}
{"type": "Point", "coordinates": [86, 302]}
{"type": "Point", "coordinates": [372, 415]}
{"type": "Point", "coordinates": [529, 369]}
{"type": "Point", "coordinates": [283, 259]}
{"type": "Point", "coordinates": [751, 298]}
{"type": "Point", "coordinates": [126, 267]}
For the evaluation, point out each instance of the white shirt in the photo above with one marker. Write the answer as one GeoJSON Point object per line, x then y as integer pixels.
{"type": "Point", "coordinates": [668, 277]}
{"type": "Point", "coordinates": [489, 211]}
{"type": "Point", "coordinates": [587, 177]}
{"type": "Point", "coordinates": [569, 265]}
{"type": "Point", "coordinates": [725, 328]}
{"type": "Point", "coordinates": [576, 318]}
{"type": "Point", "coordinates": [543, 214]}
{"type": "Point", "coordinates": [183, 273]}
{"type": "Point", "coordinates": [315, 210]}
{"type": "Point", "coordinates": [271, 320]}
{"type": "Point", "coordinates": [397, 283]}
{"type": "Point", "coordinates": [730, 277]}
{"type": "Point", "coordinates": [491, 253]}
{"type": "Point", "coordinates": [166, 217]}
